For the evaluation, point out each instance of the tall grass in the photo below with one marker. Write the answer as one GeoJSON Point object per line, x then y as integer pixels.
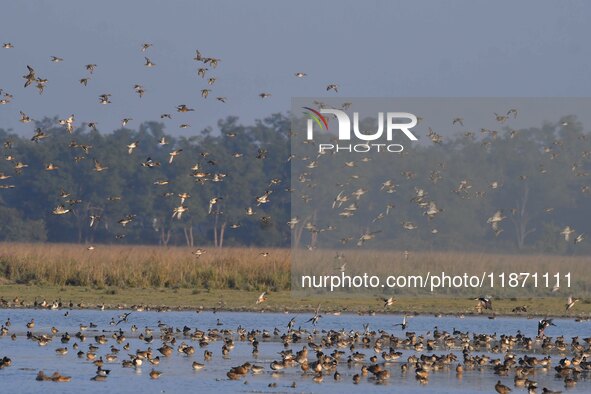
{"type": "Point", "coordinates": [247, 269]}
{"type": "Point", "coordinates": [144, 267]}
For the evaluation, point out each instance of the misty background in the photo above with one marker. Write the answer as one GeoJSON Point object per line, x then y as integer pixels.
{"type": "Point", "coordinates": [368, 48]}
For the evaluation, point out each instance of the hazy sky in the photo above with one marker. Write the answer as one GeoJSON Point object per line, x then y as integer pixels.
{"type": "Point", "coordinates": [369, 48]}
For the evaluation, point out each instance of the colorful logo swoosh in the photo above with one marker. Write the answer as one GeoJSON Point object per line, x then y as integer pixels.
{"type": "Point", "coordinates": [317, 116]}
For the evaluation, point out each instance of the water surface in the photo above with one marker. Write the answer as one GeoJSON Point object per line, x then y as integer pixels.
{"type": "Point", "coordinates": [178, 376]}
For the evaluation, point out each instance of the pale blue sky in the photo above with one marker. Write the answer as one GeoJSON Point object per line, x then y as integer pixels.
{"type": "Point", "coordinates": [370, 48]}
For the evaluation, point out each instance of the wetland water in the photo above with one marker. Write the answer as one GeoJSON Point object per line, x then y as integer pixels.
{"type": "Point", "coordinates": [28, 357]}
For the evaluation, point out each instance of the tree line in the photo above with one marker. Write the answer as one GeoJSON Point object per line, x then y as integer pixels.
{"type": "Point", "coordinates": [538, 178]}
{"type": "Point", "coordinates": [131, 197]}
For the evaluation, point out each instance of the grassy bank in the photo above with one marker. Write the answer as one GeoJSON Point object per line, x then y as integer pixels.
{"type": "Point", "coordinates": [237, 300]}
{"type": "Point", "coordinates": [232, 279]}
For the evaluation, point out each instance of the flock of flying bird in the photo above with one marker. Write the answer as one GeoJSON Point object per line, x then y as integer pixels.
{"type": "Point", "coordinates": [205, 66]}
{"type": "Point", "coordinates": [350, 190]}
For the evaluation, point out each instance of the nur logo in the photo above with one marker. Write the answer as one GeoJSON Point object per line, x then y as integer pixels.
{"type": "Point", "coordinates": [390, 121]}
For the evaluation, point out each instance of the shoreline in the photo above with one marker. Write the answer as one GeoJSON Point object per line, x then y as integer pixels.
{"type": "Point", "coordinates": [166, 299]}
{"type": "Point", "coordinates": [164, 309]}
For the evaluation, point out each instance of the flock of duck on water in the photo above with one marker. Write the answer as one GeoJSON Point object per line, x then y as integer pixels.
{"type": "Point", "coordinates": [366, 356]}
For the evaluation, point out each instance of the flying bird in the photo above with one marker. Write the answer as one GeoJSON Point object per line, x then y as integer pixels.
{"type": "Point", "coordinates": [388, 302]}
{"type": "Point", "coordinates": [126, 220]}
{"type": "Point", "coordinates": [543, 324]}
{"type": "Point", "coordinates": [184, 196]}
{"type": "Point", "coordinates": [90, 68]}
{"type": "Point", "coordinates": [566, 232]}
{"type": "Point", "coordinates": [570, 302]}
{"type": "Point", "coordinates": [484, 303]}
{"type": "Point", "coordinates": [512, 112]}
{"type": "Point", "coordinates": [264, 198]}
{"type": "Point", "coordinates": [212, 202]}
{"type": "Point", "coordinates": [94, 219]}
{"type": "Point", "coordinates": [178, 211]}
{"type": "Point", "coordinates": [132, 146]}
{"type": "Point", "coordinates": [68, 122]}
{"type": "Point", "coordinates": [30, 77]}
{"type": "Point", "coordinates": [332, 86]}
{"type": "Point", "coordinates": [199, 252]}
{"type": "Point", "coordinates": [105, 98]}
{"type": "Point", "coordinates": [314, 319]}
{"type": "Point", "coordinates": [39, 135]}
{"type": "Point", "coordinates": [262, 298]}
{"type": "Point", "coordinates": [174, 154]}
{"type": "Point", "coordinates": [495, 219]}
{"type": "Point", "coordinates": [367, 236]}
{"type": "Point", "coordinates": [60, 210]}
{"type": "Point", "coordinates": [404, 323]}
{"type": "Point", "coordinates": [98, 167]}
{"type": "Point", "coordinates": [432, 210]}
{"type": "Point", "coordinates": [123, 318]}
{"type": "Point", "coordinates": [182, 108]}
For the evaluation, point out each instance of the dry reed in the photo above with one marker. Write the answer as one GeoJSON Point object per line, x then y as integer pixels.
{"type": "Point", "coordinates": [144, 266]}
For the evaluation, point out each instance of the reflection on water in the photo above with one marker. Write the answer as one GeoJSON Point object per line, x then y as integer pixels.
{"type": "Point", "coordinates": [28, 357]}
